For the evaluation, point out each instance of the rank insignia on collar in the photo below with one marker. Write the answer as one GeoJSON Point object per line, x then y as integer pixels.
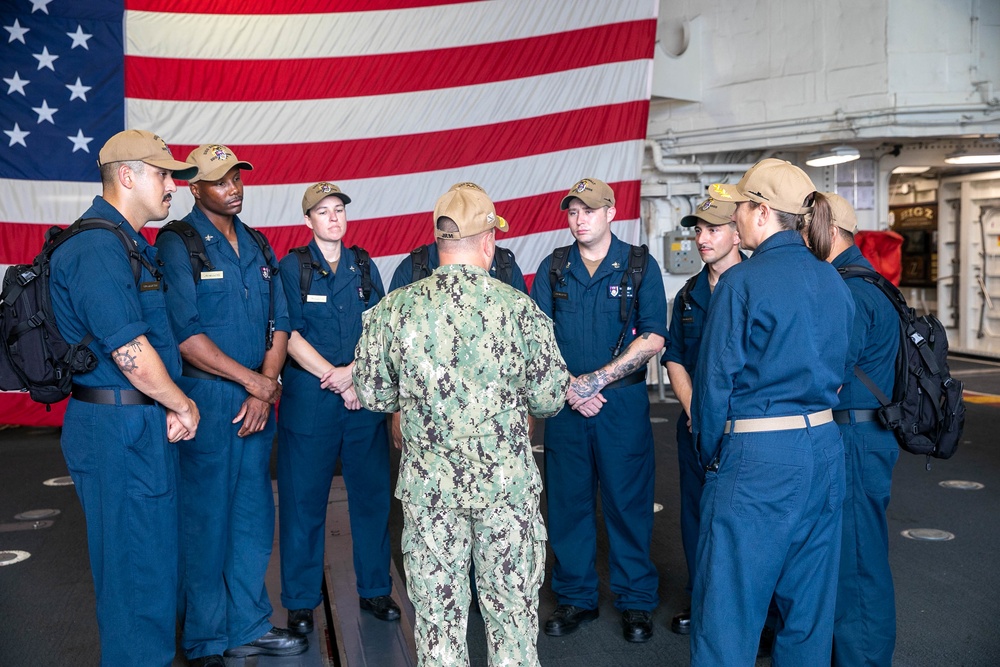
{"type": "Point", "coordinates": [353, 269]}
{"type": "Point", "coordinates": [616, 265]}
{"type": "Point", "coordinates": [209, 237]}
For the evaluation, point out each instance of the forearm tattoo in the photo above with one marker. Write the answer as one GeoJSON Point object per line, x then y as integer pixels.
{"type": "Point", "coordinates": [589, 384]}
{"type": "Point", "coordinates": [125, 356]}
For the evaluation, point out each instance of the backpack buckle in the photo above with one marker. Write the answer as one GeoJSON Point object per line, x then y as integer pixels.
{"type": "Point", "coordinates": [26, 277]}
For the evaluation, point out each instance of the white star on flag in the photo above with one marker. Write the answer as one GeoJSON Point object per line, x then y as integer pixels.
{"type": "Point", "coordinates": [79, 37]}
{"type": "Point", "coordinates": [80, 142]}
{"type": "Point", "coordinates": [45, 112]}
{"type": "Point", "coordinates": [16, 32]}
{"type": "Point", "coordinates": [16, 83]}
{"type": "Point", "coordinates": [17, 136]}
{"type": "Point", "coordinates": [45, 59]}
{"type": "Point", "coordinates": [40, 4]}
{"type": "Point", "coordinates": [79, 90]}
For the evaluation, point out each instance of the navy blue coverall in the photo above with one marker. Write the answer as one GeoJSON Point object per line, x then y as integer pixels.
{"type": "Point", "coordinates": [864, 631]}
{"type": "Point", "coordinates": [404, 272]}
{"type": "Point", "coordinates": [775, 345]}
{"type": "Point", "coordinates": [315, 429]}
{"type": "Point", "coordinates": [123, 467]}
{"type": "Point", "coordinates": [227, 505]}
{"type": "Point", "coordinates": [687, 322]}
{"type": "Point", "coordinates": [613, 449]}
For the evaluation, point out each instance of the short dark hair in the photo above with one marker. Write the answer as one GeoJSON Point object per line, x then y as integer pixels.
{"type": "Point", "coordinates": [110, 169]}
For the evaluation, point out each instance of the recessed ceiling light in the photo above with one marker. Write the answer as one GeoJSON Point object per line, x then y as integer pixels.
{"type": "Point", "coordinates": [974, 156]}
{"type": "Point", "coordinates": [832, 156]}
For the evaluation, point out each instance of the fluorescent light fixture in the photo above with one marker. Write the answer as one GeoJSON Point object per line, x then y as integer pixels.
{"type": "Point", "coordinates": [975, 156]}
{"type": "Point", "coordinates": [910, 170]}
{"type": "Point", "coordinates": [832, 156]}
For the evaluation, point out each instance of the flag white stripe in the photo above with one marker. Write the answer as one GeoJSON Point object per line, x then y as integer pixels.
{"type": "Point", "coordinates": [266, 37]}
{"type": "Point", "coordinates": [284, 122]}
{"type": "Point", "coordinates": [52, 202]}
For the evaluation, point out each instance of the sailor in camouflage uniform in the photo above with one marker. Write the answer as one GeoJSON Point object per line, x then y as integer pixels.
{"type": "Point", "coordinates": [466, 359]}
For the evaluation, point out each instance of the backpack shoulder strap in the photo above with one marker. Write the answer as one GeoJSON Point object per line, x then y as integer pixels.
{"type": "Point", "coordinates": [261, 241]}
{"type": "Point", "coordinates": [136, 259]}
{"type": "Point", "coordinates": [265, 249]}
{"type": "Point", "coordinates": [364, 262]}
{"type": "Point", "coordinates": [419, 261]}
{"type": "Point", "coordinates": [685, 294]}
{"type": "Point", "coordinates": [638, 257]}
{"type": "Point", "coordinates": [872, 387]}
{"type": "Point", "coordinates": [505, 264]}
{"type": "Point", "coordinates": [306, 266]}
{"type": "Point", "coordinates": [558, 265]}
{"type": "Point", "coordinates": [906, 315]}
{"type": "Point", "coordinates": [877, 279]}
{"type": "Point", "coordinates": [192, 243]}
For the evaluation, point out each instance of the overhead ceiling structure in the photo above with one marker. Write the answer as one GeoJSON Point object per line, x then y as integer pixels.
{"type": "Point", "coordinates": [902, 84]}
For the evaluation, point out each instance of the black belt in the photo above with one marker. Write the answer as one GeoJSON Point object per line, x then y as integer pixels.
{"type": "Point", "coordinates": [111, 396]}
{"type": "Point", "coordinates": [860, 416]}
{"type": "Point", "coordinates": [628, 380]}
{"type": "Point", "coordinates": [296, 365]}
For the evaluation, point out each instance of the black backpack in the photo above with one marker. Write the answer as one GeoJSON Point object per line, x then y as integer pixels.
{"type": "Point", "coordinates": [307, 266]}
{"type": "Point", "coordinates": [36, 358]}
{"type": "Point", "coordinates": [638, 258]}
{"type": "Point", "coordinates": [199, 260]}
{"type": "Point", "coordinates": [504, 258]}
{"type": "Point", "coordinates": [926, 413]}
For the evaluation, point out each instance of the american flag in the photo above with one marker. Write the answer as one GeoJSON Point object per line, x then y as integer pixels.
{"type": "Point", "coordinates": [393, 100]}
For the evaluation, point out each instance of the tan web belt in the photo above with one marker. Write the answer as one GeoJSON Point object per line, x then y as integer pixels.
{"type": "Point", "coordinates": [778, 423]}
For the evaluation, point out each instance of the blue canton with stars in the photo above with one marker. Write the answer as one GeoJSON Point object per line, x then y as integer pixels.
{"type": "Point", "coordinates": [62, 86]}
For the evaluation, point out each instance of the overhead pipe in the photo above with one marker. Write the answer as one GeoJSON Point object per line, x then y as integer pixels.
{"type": "Point", "coordinates": [692, 167]}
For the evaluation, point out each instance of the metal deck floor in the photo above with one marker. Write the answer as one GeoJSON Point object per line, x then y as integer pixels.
{"type": "Point", "coordinates": [947, 593]}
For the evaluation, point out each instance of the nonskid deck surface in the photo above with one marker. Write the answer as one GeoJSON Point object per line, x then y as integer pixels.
{"type": "Point", "coordinates": [945, 589]}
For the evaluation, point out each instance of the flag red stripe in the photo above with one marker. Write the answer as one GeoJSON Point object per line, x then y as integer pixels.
{"type": "Point", "coordinates": [433, 151]}
{"type": "Point", "coordinates": [384, 74]}
{"type": "Point", "coordinates": [279, 6]}
{"type": "Point", "coordinates": [380, 236]}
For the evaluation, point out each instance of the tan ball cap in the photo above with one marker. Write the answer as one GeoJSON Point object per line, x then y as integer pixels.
{"type": "Point", "coordinates": [471, 210]}
{"type": "Point", "coordinates": [320, 191]}
{"type": "Point", "coordinates": [214, 161]}
{"type": "Point", "coordinates": [467, 184]}
{"type": "Point", "coordinates": [843, 212]}
{"type": "Point", "coordinates": [777, 183]}
{"type": "Point", "coordinates": [711, 211]}
{"type": "Point", "coordinates": [592, 192]}
{"type": "Point", "coordinates": [143, 146]}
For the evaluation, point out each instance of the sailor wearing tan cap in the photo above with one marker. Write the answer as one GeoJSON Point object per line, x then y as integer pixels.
{"type": "Point", "coordinates": [465, 359]}
{"type": "Point", "coordinates": [608, 324]}
{"type": "Point", "coordinates": [422, 260]}
{"type": "Point", "coordinates": [328, 286]}
{"type": "Point", "coordinates": [122, 414]}
{"type": "Point", "coordinates": [718, 244]}
{"type": "Point", "coordinates": [864, 631]}
{"type": "Point", "coordinates": [772, 359]}
{"type": "Point", "coordinates": [230, 317]}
